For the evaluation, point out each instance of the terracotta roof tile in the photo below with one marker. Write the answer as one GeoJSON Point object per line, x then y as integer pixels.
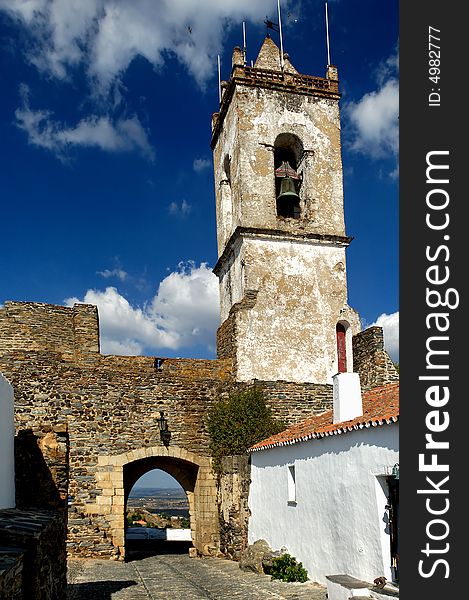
{"type": "Point", "coordinates": [380, 407]}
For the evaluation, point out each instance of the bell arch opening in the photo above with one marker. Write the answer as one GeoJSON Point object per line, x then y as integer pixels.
{"type": "Point", "coordinates": [288, 146]}
{"type": "Point", "coordinates": [288, 154]}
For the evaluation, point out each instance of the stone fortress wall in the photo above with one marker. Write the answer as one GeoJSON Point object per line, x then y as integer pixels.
{"type": "Point", "coordinates": [92, 420]}
{"type": "Point", "coordinates": [105, 408]}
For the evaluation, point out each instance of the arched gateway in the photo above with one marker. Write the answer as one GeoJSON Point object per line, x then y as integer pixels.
{"type": "Point", "coordinates": [116, 475]}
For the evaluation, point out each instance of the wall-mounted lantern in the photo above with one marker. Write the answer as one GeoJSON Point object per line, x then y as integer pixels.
{"type": "Point", "coordinates": [165, 434]}
{"type": "Point", "coordinates": [395, 471]}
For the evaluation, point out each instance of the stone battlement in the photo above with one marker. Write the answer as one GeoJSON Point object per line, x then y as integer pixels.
{"type": "Point", "coordinates": [70, 331]}
{"type": "Point", "coordinates": [370, 359]}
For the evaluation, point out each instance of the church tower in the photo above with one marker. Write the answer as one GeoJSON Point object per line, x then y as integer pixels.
{"type": "Point", "coordinates": [280, 223]}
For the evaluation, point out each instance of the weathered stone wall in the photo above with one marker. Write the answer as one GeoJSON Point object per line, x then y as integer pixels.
{"type": "Point", "coordinates": [87, 426]}
{"type": "Point", "coordinates": [227, 334]}
{"type": "Point", "coordinates": [42, 467]}
{"type": "Point", "coordinates": [46, 327]}
{"type": "Point", "coordinates": [370, 359]}
{"type": "Point", "coordinates": [226, 338]}
{"type": "Point", "coordinates": [108, 406]}
{"type": "Point", "coordinates": [233, 492]}
{"type": "Point", "coordinates": [292, 402]}
{"type": "Point", "coordinates": [33, 559]}
{"type": "Point", "coordinates": [33, 535]}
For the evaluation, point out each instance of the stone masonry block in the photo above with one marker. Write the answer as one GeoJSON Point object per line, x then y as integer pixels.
{"type": "Point", "coordinates": [103, 501]}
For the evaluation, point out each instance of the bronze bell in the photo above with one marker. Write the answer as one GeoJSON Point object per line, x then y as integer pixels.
{"type": "Point", "coordinates": [288, 201]}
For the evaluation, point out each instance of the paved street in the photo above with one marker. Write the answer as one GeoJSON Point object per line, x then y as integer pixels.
{"type": "Point", "coordinates": [178, 577]}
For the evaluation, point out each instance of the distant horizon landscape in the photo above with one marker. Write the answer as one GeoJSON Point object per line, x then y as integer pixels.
{"type": "Point", "coordinates": [155, 490]}
{"type": "Point", "coordinates": [153, 487]}
{"type": "Point", "coordinates": [156, 479]}
{"type": "Point", "coordinates": [172, 501]}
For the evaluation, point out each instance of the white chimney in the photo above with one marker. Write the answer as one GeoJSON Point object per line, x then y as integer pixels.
{"type": "Point", "coordinates": [347, 397]}
{"type": "Point", "coordinates": [7, 445]}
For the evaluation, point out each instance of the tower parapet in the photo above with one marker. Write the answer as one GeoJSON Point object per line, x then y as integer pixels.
{"type": "Point", "coordinates": [267, 73]}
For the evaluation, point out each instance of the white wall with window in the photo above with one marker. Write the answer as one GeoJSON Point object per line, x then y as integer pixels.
{"type": "Point", "coordinates": [337, 520]}
{"type": "Point", "coordinates": [291, 484]}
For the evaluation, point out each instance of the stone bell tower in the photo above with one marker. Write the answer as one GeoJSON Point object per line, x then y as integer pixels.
{"type": "Point", "coordinates": [280, 223]}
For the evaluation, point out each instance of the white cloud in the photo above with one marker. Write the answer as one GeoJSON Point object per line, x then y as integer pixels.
{"type": "Point", "coordinates": [375, 120]}
{"type": "Point", "coordinates": [106, 35]}
{"type": "Point", "coordinates": [120, 135]}
{"type": "Point", "coordinates": [121, 348]}
{"type": "Point", "coordinates": [183, 313]}
{"type": "Point", "coordinates": [388, 68]}
{"type": "Point", "coordinates": [180, 210]}
{"type": "Point", "coordinates": [187, 304]}
{"type": "Point", "coordinates": [375, 117]}
{"type": "Point", "coordinates": [390, 325]}
{"type": "Point", "coordinates": [200, 164]}
{"type": "Point", "coordinates": [119, 273]}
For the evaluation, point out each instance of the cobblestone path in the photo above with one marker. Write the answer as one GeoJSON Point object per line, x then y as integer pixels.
{"type": "Point", "coordinates": [178, 577]}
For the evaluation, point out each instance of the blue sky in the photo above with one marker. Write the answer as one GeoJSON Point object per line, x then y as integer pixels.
{"type": "Point", "coordinates": [106, 181]}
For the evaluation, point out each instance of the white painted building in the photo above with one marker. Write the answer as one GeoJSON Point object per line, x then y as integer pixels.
{"type": "Point", "coordinates": [7, 449]}
{"type": "Point", "coordinates": [323, 490]}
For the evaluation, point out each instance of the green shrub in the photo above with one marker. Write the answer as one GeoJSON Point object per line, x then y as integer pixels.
{"type": "Point", "coordinates": [286, 568]}
{"type": "Point", "coordinates": [238, 423]}
{"type": "Point", "coordinates": [185, 523]}
{"type": "Point", "coordinates": [131, 517]}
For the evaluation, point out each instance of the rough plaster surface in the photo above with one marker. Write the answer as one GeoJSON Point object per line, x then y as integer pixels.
{"type": "Point", "coordinates": [338, 522]}
{"type": "Point", "coordinates": [289, 333]}
{"type": "Point", "coordinates": [254, 119]}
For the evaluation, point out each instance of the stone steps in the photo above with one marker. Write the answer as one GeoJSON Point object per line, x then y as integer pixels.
{"type": "Point", "coordinates": [345, 587]}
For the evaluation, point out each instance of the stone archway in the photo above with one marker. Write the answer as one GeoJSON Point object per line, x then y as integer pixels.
{"type": "Point", "coordinates": [116, 475]}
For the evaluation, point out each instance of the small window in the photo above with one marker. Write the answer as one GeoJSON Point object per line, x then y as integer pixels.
{"type": "Point", "coordinates": [291, 484]}
{"type": "Point", "coordinates": [227, 168]}
{"type": "Point", "coordinates": [341, 348]}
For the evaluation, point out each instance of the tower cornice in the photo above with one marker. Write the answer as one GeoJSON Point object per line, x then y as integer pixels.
{"type": "Point", "coordinates": [280, 235]}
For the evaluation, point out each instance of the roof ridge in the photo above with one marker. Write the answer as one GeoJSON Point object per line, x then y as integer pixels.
{"type": "Point", "coordinates": [375, 412]}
